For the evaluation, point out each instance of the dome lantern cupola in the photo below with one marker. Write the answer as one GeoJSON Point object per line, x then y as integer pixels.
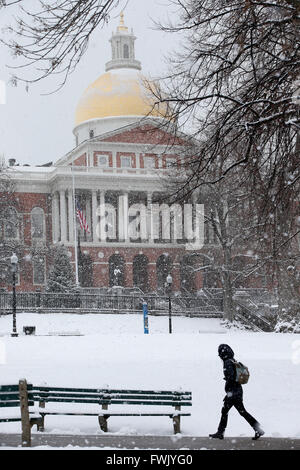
{"type": "Point", "coordinates": [118, 97]}
{"type": "Point", "coordinates": [122, 48]}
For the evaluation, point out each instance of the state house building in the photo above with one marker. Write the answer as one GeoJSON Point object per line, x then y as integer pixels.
{"type": "Point", "coordinates": [122, 152]}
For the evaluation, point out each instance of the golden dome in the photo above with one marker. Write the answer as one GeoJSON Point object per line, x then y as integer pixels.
{"type": "Point", "coordinates": [117, 93]}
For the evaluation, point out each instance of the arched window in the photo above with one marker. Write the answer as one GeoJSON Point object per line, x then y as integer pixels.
{"type": "Point", "coordinates": [164, 266]}
{"type": "Point", "coordinates": [140, 272]}
{"type": "Point", "coordinates": [116, 271]}
{"type": "Point", "coordinates": [11, 223]}
{"type": "Point", "coordinates": [126, 51]}
{"type": "Point", "coordinates": [37, 223]}
{"type": "Point", "coordinates": [187, 274]}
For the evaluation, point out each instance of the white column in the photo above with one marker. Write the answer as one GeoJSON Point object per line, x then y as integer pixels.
{"type": "Point", "coordinates": [95, 215]}
{"type": "Point", "coordinates": [160, 160]}
{"type": "Point", "coordinates": [126, 221]}
{"type": "Point", "coordinates": [63, 216]}
{"type": "Point", "coordinates": [88, 211]}
{"type": "Point", "coordinates": [123, 217]}
{"type": "Point", "coordinates": [114, 160]}
{"type": "Point", "coordinates": [102, 233]}
{"type": "Point", "coordinates": [70, 215]}
{"type": "Point", "coordinates": [138, 160]}
{"type": "Point", "coordinates": [55, 217]}
{"type": "Point", "coordinates": [149, 219]}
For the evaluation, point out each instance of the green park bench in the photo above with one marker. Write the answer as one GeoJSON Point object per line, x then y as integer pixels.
{"type": "Point", "coordinates": [20, 396]}
{"type": "Point", "coordinates": [106, 398]}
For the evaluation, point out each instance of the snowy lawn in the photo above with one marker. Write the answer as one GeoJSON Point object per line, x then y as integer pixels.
{"type": "Point", "coordinates": [113, 351]}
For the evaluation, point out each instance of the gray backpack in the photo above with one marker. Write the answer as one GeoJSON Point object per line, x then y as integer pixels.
{"type": "Point", "coordinates": [242, 372]}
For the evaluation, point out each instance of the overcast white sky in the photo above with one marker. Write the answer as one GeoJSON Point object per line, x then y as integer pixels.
{"type": "Point", "coordinates": [36, 129]}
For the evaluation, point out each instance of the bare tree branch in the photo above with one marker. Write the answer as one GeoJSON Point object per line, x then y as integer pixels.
{"type": "Point", "coordinates": [52, 36]}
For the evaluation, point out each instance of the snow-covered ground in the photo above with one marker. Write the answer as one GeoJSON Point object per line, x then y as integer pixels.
{"type": "Point", "coordinates": [113, 351]}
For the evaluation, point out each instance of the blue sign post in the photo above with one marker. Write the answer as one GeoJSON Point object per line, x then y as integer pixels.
{"type": "Point", "coordinates": [145, 312]}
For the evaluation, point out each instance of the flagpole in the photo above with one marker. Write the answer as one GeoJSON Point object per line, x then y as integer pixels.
{"type": "Point", "coordinates": [75, 231]}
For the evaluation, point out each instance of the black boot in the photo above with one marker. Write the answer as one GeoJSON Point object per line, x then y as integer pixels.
{"type": "Point", "coordinates": [217, 435]}
{"type": "Point", "coordinates": [258, 432]}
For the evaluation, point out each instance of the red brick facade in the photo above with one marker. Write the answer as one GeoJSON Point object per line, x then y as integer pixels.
{"type": "Point", "coordinates": [81, 161]}
{"type": "Point", "coordinates": [146, 135]}
{"type": "Point", "coordinates": [101, 265]}
{"type": "Point", "coordinates": [157, 261]}
{"type": "Point", "coordinates": [26, 247]}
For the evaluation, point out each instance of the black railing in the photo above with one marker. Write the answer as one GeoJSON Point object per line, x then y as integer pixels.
{"type": "Point", "coordinates": [250, 318]}
{"type": "Point", "coordinates": [96, 303]}
{"type": "Point", "coordinates": [81, 302]}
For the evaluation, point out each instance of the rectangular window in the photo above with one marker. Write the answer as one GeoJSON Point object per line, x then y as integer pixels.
{"type": "Point", "coordinates": [103, 161]}
{"type": "Point", "coordinates": [171, 162]}
{"type": "Point", "coordinates": [37, 223]}
{"type": "Point", "coordinates": [39, 271]}
{"type": "Point", "coordinates": [149, 162]}
{"type": "Point", "coordinates": [11, 224]}
{"type": "Point", "coordinates": [126, 162]}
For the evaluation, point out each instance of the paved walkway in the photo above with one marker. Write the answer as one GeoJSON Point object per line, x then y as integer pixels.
{"type": "Point", "coordinates": [152, 442]}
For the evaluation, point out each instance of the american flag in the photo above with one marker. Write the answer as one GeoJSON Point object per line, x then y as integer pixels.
{"type": "Point", "coordinates": [82, 220]}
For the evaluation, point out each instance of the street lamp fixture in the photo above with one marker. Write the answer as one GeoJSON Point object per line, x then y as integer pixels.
{"type": "Point", "coordinates": [169, 285]}
{"type": "Point", "coordinates": [14, 266]}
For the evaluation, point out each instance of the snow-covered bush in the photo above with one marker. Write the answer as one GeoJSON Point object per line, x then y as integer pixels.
{"type": "Point", "coordinates": [235, 325]}
{"type": "Point", "coordinates": [288, 326]}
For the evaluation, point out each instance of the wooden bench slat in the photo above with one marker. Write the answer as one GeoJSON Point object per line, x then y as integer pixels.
{"type": "Point", "coordinates": [13, 388]}
{"type": "Point", "coordinates": [70, 400]}
{"type": "Point", "coordinates": [113, 413]}
{"type": "Point", "coordinates": [121, 396]}
{"type": "Point", "coordinates": [37, 390]}
{"type": "Point", "coordinates": [107, 397]}
{"type": "Point", "coordinates": [9, 388]}
{"type": "Point", "coordinates": [8, 403]}
{"type": "Point", "coordinates": [38, 396]}
{"type": "Point", "coordinates": [78, 396]}
{"type": "Point", "coordinates": [113, 402]}
{"type": "Point", "coordinates": [150, 402]}
{"type": "Point", "coordinates": [65, 389]}
{"type": "Point", "coordinates": [145, 414]}
{"type": "Point", "coordinates": [9, 396]}
{"type": "Point", "coordinates": [10, 419]}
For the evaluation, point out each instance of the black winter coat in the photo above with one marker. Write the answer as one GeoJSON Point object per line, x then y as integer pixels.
{"type": "Point", "coordinates": [232, 388]}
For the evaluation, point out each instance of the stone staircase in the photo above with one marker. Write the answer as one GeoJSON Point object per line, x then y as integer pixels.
{"type": "Point", "coordinates": [256, 308]}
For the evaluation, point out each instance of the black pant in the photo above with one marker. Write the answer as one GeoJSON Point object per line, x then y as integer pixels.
{"type": "Point", "coordinates": [237, 402]}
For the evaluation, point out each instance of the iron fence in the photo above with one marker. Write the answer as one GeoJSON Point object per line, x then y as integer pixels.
{"type": "Point", "coordinates": [83, 303]}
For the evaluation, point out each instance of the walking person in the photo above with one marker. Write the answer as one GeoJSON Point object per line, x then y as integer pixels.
{"type": "Point", "coordinates": [234, 395]}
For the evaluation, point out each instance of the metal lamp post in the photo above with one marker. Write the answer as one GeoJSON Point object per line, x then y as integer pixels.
{"type": "Point", "coordinates": [14, 266]}
{"type": "Point", "coordinates": [169, 285]}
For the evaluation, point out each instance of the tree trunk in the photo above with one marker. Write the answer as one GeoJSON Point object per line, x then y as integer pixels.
{"type": "Point", "coordinates": [288, 277]}
{"type": "Point", "coordinates": [227, 286]}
